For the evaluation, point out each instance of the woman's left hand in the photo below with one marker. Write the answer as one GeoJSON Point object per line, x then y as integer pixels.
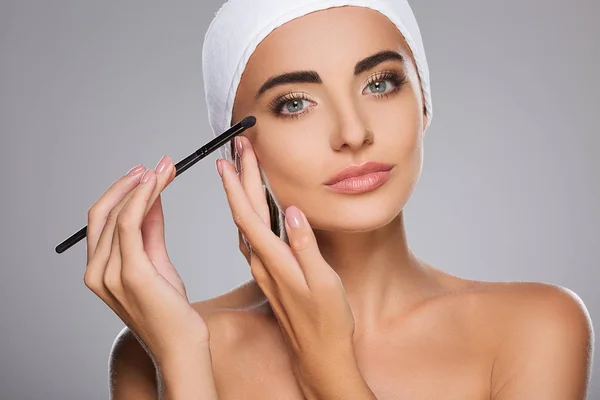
{"type": "Point", "coordinates": [306, 294]}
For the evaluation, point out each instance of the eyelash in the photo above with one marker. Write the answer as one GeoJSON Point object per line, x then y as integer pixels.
{"type": "Point", "coordinates": [398, 80]}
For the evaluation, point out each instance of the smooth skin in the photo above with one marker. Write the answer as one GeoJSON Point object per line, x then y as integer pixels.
{"type": "Point", "coordinates": [419, 332]}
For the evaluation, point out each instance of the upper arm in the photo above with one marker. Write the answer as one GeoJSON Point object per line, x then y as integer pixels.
{"type": "Point", "coordinates": [548, 349]}
{"type": "Point", "coordinates": [131, 371]}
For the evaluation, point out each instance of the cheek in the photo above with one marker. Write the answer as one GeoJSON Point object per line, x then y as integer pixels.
{"type": "Point", "coordinates": [397, 127]}
{"type": "Point", "coordinates": [408, 145]}
{"type": "Point", "coordinates": [291, 158]}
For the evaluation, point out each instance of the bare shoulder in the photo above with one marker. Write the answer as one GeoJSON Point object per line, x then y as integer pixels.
{"type": "Point", "coordinates": [541, 311]}
{"type": "Point", "coordinates": [516, 307]}
{"type": "Point", "coordinates": [543, 338]}
{"type": "Point", "coordinates": [132, 373]}
{"type": "Point", "coordinates": [532, 303]}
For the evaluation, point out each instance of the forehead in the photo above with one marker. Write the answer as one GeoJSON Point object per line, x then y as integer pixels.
{"type": "Point", "coordinates": [329, 40]}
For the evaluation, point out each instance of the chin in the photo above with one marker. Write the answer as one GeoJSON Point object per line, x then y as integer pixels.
{"type": "Point", "coordinates": [358, 214]}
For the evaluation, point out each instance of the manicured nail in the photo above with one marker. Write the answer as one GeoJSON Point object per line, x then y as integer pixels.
{"type": "Point", "coordinates": [293, 216]}
{"type": "Point", "coordinates": [135, 170]}
{"type": "Point", "coordinates": [238, 163]}
{"type": "Point", "coordinates": [146, 176]}
{"type": "Point", "coordinates": [238, 144]}
{"type": "Point", "coordinates": [162, 165]}
{"type": "Point", "coordinates": [219, 167]}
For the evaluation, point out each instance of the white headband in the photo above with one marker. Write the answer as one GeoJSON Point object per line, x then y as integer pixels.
{"type": "Point", "coordinates": [240, 25]}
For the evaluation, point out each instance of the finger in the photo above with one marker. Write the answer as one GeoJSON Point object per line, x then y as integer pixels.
{"type": "Point", "coordinates": [112, 273]}
{"type": "Point", "coordinates": [113, 284]}
{"type": "Point", "coordinates": [105, 242]}
{"type": "Point", "coordinates": [249, 175]}
{"type": "Point", "coordinates": [259, 272]}
{"type": "Point", "coordinates": [251, 179]}
{"type": "Point", "coordinates": [306, 250]}
{"type": "Point", "coordinates": [100, 280]}
{"type": "Point", "coordinates": [135, 262]}
{"type": "Point", "coordinates": [95, 276]}
{"type": "Point", "coordinates": [115, 270]}
{"type": "Point", "coordinates": [153, 232]}
{"type": "Point", "coordinates": [274, 253]}
{"type": "Point", "coordinates": [105, 286]}
{"type": "Point", "coordinates": [153, 229]}
{"type": "Point", "coordinates": [98, 212]}
{"type": "Point", "coordinates": [153, 225]}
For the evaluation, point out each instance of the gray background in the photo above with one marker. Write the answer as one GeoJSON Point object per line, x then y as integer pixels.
{"type": "Point", "coordinates": [510, 189]}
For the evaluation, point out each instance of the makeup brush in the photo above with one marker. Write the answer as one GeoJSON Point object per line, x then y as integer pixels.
{"type": "Point", "coordinates": [180, 167]}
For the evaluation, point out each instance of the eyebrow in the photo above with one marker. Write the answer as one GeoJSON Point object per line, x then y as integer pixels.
{"type": "Point", "coordinates": [313, 77]}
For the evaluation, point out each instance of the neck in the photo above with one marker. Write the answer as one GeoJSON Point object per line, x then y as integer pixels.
{"type": "Point", "coordinates": [380, 274]}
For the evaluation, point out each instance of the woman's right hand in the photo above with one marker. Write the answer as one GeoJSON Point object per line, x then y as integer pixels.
{"type": "Point", "coordinates": [129, 269]}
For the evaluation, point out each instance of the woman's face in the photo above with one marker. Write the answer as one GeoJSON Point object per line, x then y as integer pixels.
{"type": "Point", "coordinates": [342, 112]}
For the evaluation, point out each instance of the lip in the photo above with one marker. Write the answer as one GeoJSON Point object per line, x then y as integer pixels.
{"type": "Point", "coordinates": [360, 178]}
{"type": "Point", "coordinates": [353, 171]}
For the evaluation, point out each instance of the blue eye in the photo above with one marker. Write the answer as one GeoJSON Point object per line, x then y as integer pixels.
{"type": "Point", "coordinates": [378, 87]}
{"type": "Point", "coordinates": [290, 105]}
{"type": "Point", "coordinates": [381, 83]}
{"type": "Point", "coordinates": [294, 106]}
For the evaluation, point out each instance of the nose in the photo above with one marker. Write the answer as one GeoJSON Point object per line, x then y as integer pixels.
{"type": "Point", "coordinates": [351, 129]}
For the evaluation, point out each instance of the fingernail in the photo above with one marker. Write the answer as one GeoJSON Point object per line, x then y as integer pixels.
{"type": "Point", "coordinates": [162, 165]}
{"type": "Point", "coordinates": [146, 176]}
{"type": "Point", "coordinates": [238, 144]}
{"type": "Point", "coordinates": [293, 216]}
{"type": "Point", "coordinates": [219, 167]}
{"type": "Point", "coordinates": [135, 170]}
{"type": "Point", "coordinates": [238, 164]}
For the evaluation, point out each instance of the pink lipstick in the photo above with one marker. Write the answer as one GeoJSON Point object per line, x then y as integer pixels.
{"type": "Point", "coordinates": [363, 178]}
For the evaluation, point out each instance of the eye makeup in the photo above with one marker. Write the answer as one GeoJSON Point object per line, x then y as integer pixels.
{"type": "Point", "coordinates": [278, 104]}
{"type": "Point", "coordinates": [398, 80]}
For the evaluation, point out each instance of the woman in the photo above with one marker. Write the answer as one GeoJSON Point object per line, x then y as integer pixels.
{"type": "Point", "coordinates": [339, 306]}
